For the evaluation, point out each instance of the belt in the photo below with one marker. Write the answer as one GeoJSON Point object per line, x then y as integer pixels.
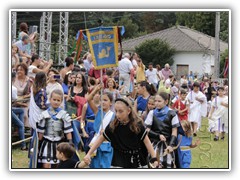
{"type": "Point", "coordinates": [185, 148]}
{"type": "Point", "coordinates": [90, 120]}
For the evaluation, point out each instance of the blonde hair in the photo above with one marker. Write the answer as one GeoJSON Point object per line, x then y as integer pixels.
{"type": "Point", "coordinates": [186, 125]}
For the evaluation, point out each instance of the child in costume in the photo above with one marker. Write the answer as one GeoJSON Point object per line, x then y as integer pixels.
{"type": "Point", "coordinates": [182, 106]}
{"type": "Point", "coordinates": [103, 157]}
{"type": "Point", "coordinates": [198, 107]}
{"type": "Point", "coordinates": [53, 124]}
{"type": "Point", "coordinates": [218, 115]}
{"type": "Point", "coordinates": [184, 149]}
{"type": "Point", "coordinates": [128, 138]}
{"type": "Point", "coordinates": [87, 122]}
{"type": "Point", "coordinates": [162, 124]}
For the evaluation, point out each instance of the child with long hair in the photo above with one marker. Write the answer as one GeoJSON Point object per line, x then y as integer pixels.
{"type": "Point", "coordinates": [150, 106]}
{"type": "Point", "coordinates": [145, 90]}
{"type": "Point", "coordinates": [162, 123]}
{"type": "Point", "coordinates": [128, 138]}
{"type": "Point", "coordinates": [103, 157]}
{"type": "Point", "coordinates": [185, 138]}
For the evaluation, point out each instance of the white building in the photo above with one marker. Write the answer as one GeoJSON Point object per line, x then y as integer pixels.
{"type": "Point", "coordinates": [194, 50]}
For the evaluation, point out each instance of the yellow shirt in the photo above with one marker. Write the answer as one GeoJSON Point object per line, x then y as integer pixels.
{"type": "Point", "coordinates": [140, 73]}
{"type": "Point", "coordinates": [162, 88]}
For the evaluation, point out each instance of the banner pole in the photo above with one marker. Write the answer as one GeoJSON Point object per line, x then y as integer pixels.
{"type": "Point", "coordinates": [101, 99]}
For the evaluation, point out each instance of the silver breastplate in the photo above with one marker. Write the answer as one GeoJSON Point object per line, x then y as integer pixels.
{"type": "Point", "coordinates": [54, 128]}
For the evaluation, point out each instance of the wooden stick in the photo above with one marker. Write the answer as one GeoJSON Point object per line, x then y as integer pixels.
{"type": "Point", "coordinates": [18, 142]}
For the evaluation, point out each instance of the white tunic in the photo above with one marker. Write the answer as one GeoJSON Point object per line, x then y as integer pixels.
{"type": "Point", "coordinates": [197, 109]}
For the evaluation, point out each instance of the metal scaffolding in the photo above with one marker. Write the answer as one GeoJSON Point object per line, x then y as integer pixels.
{"type": "Point", "coordinates": [14, 26]}
{"type": "Point", "coordinates": [63, 37]}
{"type": "Point", "coordinates": [45, 35]}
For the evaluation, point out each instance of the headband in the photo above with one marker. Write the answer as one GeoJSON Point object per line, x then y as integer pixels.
{"type": "Point", "coordinates": [122, 100]}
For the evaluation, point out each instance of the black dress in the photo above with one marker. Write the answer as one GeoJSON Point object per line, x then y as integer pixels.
{"type": "Point", "coordinates": [129, 150]}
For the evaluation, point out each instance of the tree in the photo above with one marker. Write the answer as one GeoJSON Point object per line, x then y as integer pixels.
{"type": "Point", "coordinates": [131, 29]}
{"type": "Point", "coordinates": [155, 51]}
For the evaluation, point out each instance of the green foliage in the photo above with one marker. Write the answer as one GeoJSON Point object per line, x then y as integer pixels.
{"type": "Point", "coordinates": [131, 29]}
{"type": "Point", "coordinates": [155, 51]}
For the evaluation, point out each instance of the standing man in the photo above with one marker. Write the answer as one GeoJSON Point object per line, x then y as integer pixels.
{"type": "Point", "coordinates": [126, 72]}
{"type": "Point", "coordinates": [152, 75]}
{"type": "Point", "coordinates": [140, 73]}
{"type": "Point", "coordinates": [166, 71]}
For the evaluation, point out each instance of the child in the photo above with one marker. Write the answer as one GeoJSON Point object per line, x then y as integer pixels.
{"type": "Point", "coordinates": [150, 106]}
{"type": "Point", "coordinates": [128, 138]}
{"type": "Point", "coordinates": [198, 107]}
{"type": "Point", "coordinates": [65, 152]}
{"type": "Point", "coordinates": [87, 121]}
{"type": "Point", "coordinates": [53, 124]}
{"type": "Point", "coordinates": [184, 151]}
{"type": "Point", "coordinates": [162, 123]}
{"type": "Point", "coordinates": [218, 119]}
{"type": "Point", "coordinates": [182, 106]}
{"type": "Point", "coordinates": [103, 156]}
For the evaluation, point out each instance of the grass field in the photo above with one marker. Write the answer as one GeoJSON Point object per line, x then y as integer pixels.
{"type": "Point", "coordinates": [209, 154]}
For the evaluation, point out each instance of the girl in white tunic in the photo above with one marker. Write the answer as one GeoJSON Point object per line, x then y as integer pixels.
{"type": "Point", "coordinates": [198, 107]}
{"type": "Point", "coordinates": [218, 116]}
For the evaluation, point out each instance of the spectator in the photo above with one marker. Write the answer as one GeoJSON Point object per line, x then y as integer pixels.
{"type": "Point", "coordinates": [160, 75]}
{"type": "Point", "coordinates": [126, 72]}
{"type": "Point", "coordinates": [22, 48]}
{"type": "Point", "coordinates": [166, 71]}
{"type": "Point", "coordinates": [23, 84]}
{"type": "Point", "coordinates": [36, 61]}
{"type": "Point", "coordinates": [88, 63]}
{"type": "Point", "coordinates": [18, 115]}
{"type": "Point", "coordinates": [152, 75]}
{"type": "Point", "coordinates": [140, 73]}
{"type": "Point", "coordinates": [53, 84]}
{"type": "Point", "coordinates": [69, 67]}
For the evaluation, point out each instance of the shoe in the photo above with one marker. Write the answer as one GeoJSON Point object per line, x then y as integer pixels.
{"type": "Point", "coordinates": [194, 134]}
{"type": "Point", "coordinates": [216, 138]}
{"type": "Point", "coordinates": [222, 138]}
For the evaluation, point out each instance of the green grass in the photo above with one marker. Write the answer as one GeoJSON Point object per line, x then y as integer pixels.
{"type": "Point", "coordinates": [209, 154]}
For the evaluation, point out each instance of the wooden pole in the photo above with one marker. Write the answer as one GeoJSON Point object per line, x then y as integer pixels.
{"type": "Point", "coordinates": [18, 142]}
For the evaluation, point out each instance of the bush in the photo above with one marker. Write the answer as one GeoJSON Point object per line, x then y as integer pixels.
{"type": "Point", "coordinates": [155, 51]}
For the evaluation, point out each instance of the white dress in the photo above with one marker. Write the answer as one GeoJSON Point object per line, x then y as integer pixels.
{"type": "Point", "coordinates": [197, 109]}
{"type": "Point", "coordinates": [219, 120]}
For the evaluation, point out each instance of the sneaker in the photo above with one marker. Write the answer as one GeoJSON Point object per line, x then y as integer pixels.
{"type": "Point", "coordinates": [216, 138]}
{"type": "Point", "coordinates": [194, 134]}
{"type": "Point", "coordinates": [222, 138]}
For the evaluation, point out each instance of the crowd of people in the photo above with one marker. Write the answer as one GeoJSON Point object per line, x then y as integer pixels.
{"type": "Point", "coordinates": [131, 117]}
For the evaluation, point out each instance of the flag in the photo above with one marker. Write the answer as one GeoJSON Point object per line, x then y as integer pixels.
{"type": "Point", "coordinates": [103, 44]}
{"type": "Point", "coordinates": [225, 68]}
{"type": "Point", "coordinates": [79, 45]}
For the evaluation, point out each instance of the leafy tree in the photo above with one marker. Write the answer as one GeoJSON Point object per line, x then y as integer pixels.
{"type": "Point", "coordinates": [200, 21]}
{"type": "Point", "coordinates": [155, 51]}
{"type": "Point", "coordinates": [131, 29]}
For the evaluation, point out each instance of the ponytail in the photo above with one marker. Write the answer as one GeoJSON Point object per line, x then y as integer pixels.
{"type": "Point", "coordinates": [149, 87]}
